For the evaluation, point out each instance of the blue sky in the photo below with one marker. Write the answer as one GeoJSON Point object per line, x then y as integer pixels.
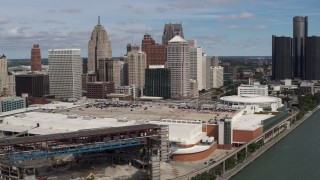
{"type": "Point", "coordinates": [221, 27]}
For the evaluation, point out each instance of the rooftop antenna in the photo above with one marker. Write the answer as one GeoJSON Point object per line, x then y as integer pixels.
{"type": "Point", "coordinates": [131, 37]}
{"type": "Point", "coordinates": [147, 29]}
{"type": "Point", "coordinates": [98, 20]}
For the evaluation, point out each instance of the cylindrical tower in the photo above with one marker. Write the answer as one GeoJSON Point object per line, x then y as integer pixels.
{"type": "Point", "coordinates": [300, 32]}
{"type": "Point", "coordinates": [36, 58]}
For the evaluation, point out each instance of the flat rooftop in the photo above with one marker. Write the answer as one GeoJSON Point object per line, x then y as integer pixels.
{"type": "Point", "coordinates": [56, 105]}
{"type": "Point", "coordinates": [249, 122]}
{"type": "Point", "coordinates": [48, 123]}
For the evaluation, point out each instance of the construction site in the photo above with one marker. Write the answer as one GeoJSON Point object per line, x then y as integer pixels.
{"type": "Point", "coordinates": [118, 140]}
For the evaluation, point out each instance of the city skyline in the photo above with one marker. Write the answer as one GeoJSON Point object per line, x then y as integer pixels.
{"type": "Point", "coordinates": [221, 27]}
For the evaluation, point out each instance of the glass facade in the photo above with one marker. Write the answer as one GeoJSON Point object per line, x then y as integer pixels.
{"type": "Point", "coordinates": [157, 83]}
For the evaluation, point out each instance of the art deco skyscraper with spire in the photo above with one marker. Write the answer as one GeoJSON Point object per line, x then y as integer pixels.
{"type": "Point", "coordinates": [99, 47]}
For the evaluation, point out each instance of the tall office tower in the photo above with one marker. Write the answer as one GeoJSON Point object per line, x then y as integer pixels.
{"type": "Point", "coordinates": [31, 84]}
{"type": "Point", "coordinates": [194, 92]}
{"type": "Point", "coordinates": [312, 58]}
{"type": "Point", "coordinates": [125, 78]}
{"type": "Point", "coordinates": [105, 70]}
{"type": "Point", "coordinates": [99, 47]}
{"type": "Point", "coordinates": [170, 31]}
{"type": "Point", "coordinates": [157, 82]}
{"type": "Point", "coordinates": [217, 76]}
{"type": "Point", "coordinates": [196, 63]}
{"type": "Point", "coordinates": [179, 64]}
{"type": "Point", "coordinates": [281, 58]}
{"type": "Point", "coordinates": [3, 69]}
{"type": "Point", "coordinates": [300, 32]}
{"type": "Point", "coordinates": [7, 83]}
{"type": "Point", "coordinates": [36, 58]}
{"type": "Point", "coordinates": [65, 73]}
{"type": "Point", "coordinates": [206, 72]}
{"type": "Point", "coordinates": [132, 47]}
{"type": "Point", "coordinates": [136, 68]}
{"type": "Point", "coordinates": [118, 73]}
{"type": "Point", "coordinates": [214, 61]}
{"type": "Point", "coordinates": [156, 53]}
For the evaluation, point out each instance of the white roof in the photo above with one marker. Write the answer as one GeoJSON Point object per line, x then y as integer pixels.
{"type": "Point", "coordinates": [14, 128]}
{"type": "Point", "coordinates": [55, 123]}
{"type": "Point", "coordinates": [250, 99]}
{"type": "Point", "coordinates": [249, 122]}
{"type": "Point", "coordinates": [56, 105]}
{"type": "Point", "coordinates": [184, 132]}
{"type": "Point", "coordinates": [177, 39]}
{"type": "Point", "coordinates": [193, 149]}
{"type": "Point", "coordinates": [64, 49]}
{"type": "Point", "coordinates": [156, 66]}
{"type": "Point", "coordinates": [17, 111]}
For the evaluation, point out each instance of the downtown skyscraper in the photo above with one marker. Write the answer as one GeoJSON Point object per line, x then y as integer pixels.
{"type": "Point", "coordinates": [7, 83]}
{"type": "Point", "coordinates": [156, 53]}
{"type": "Point", "coordinates": [281, 58]}
{"type": "Point", "coordinates": [99, 47]}
{"type": "Point", "coordinates": [178, 61]}
{"type": "Point", "coordinates": [36, 58]}
{"type": "Point", "coordinates": [65, 73]}
{"type": "Point", "coordinates": [170, 31]}
{"type": "Point", "coordinates": [137, 63]}
{"type": "Point", "coordinates": [312, 57]}
{"type": "Point", "coordinates": [289, 54]}
{"type": "Point", "coordinates": [300, 33]}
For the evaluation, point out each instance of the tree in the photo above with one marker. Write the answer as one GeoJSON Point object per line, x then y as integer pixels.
{"type": "Point", "coordinates": [241, 156]}
{"type": "Point", "coordinates": [230, 163]}
{"type": "Point", "coordinates": [204, 176]}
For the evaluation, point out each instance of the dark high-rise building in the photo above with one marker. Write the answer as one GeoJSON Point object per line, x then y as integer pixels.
{"type": "Point", "coordinates": [157, 82]}
{"type": "Point", "coordinates": [281, 58]}
{"type": "Point", "coordinates": [46, 85]}
{"type": "Point", "coordinates": [300, 32]}
{"type": "Point", "coordinates": [36, 58]}
{"type": "Point", "coordinates": [312, 58]}
{"type": "Point", "coordinates": [32, 84]}
{"type": "Point", "coordinates": [156, 53]}
{"type": "Point", "coordinates": [170, 31]}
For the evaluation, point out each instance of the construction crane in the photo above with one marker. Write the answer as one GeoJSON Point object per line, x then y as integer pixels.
{"type": "Point", "coordinates": [91, 176]}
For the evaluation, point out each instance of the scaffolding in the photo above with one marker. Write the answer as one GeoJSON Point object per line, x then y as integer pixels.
{"type": "Point", "coordinates": [164, 143]}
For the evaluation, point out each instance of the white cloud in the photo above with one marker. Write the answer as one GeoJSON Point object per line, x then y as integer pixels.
{"type": "Point", "coordinates": [235, 17]}
{"type": "Point", "coordinates": [137, 10]}
{"type": "Point", "coordinates": [201, 4]}
{"type": "Point", "coordinates": [70, 10]}
{"type": "Point", "coordinates": [260, 27]}
{"type": "Point", "coordinates": [233, 27]}
{"type": "Point", "coordinates": [3, 20]}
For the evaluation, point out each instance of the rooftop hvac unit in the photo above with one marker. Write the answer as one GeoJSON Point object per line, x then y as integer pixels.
{"type": "Point", "coordinates": [204, 139]}
{"type": "Point", "coordinates": [210, 139]}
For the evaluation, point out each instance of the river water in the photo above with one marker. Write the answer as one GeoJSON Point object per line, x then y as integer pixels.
{"type": "Point", "coordinates": [295, 157]}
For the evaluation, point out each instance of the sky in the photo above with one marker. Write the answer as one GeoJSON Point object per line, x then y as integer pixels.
{"type": "Point", "coordinates": [221, 27]}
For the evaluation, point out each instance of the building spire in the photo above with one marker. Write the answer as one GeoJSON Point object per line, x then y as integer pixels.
{"type": "Point", "coordinates": [98, 20]}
